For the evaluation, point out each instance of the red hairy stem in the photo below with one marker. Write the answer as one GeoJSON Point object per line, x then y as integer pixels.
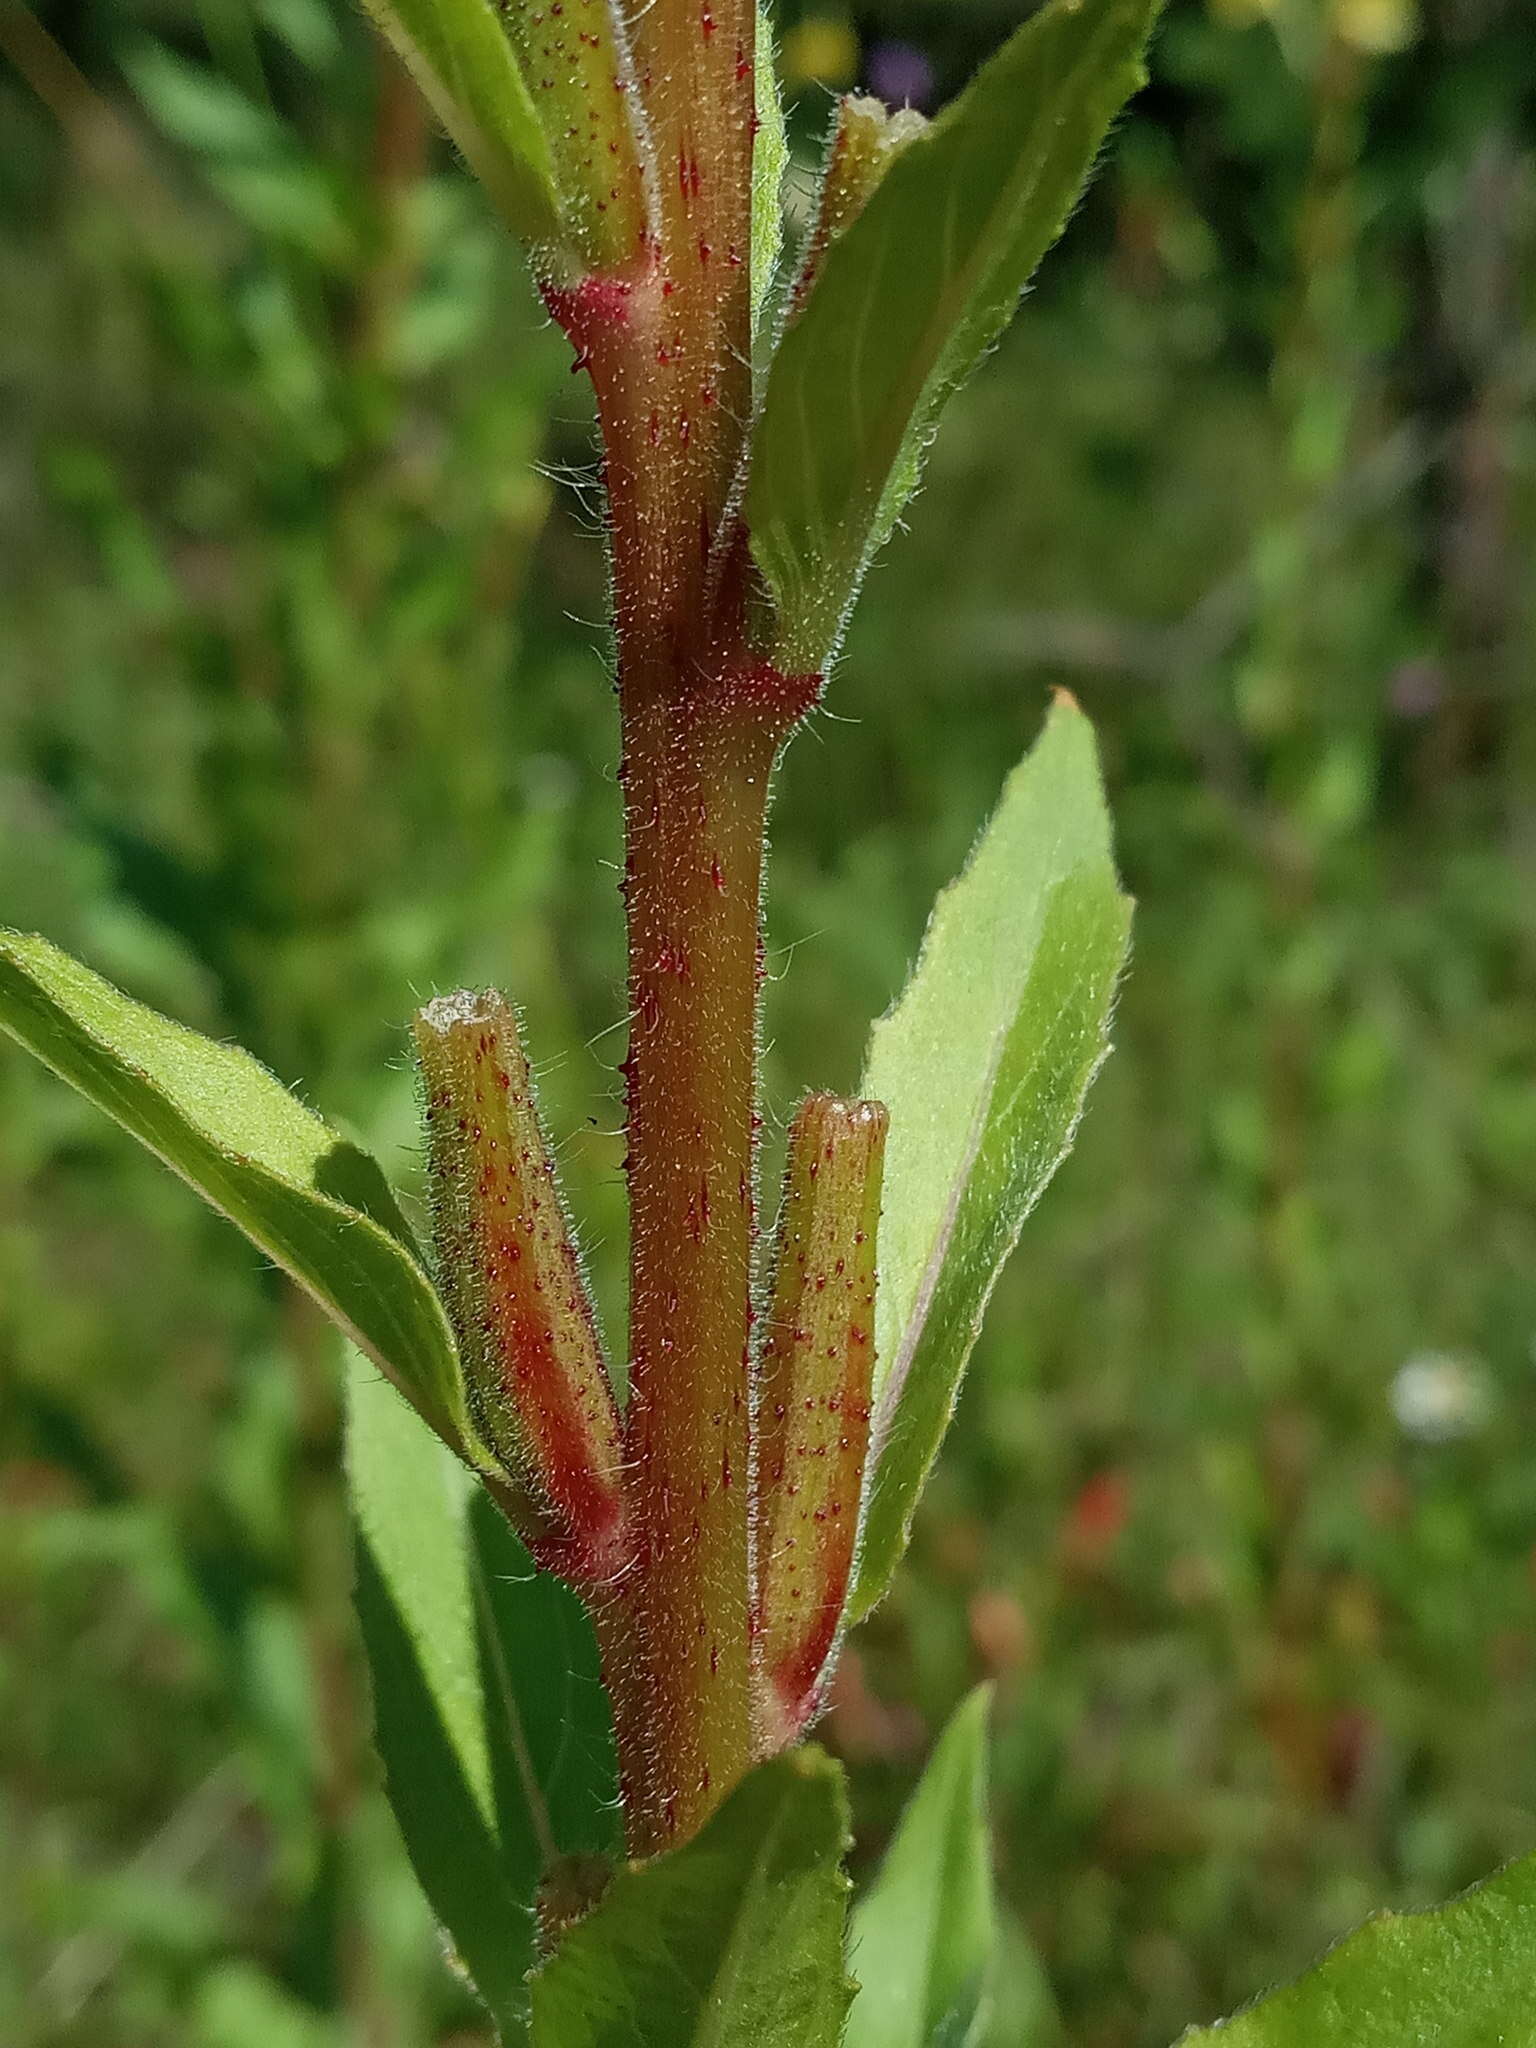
{"type": "Point", "coordinates": [667, 340]}
{"type": "Point", "coordinates": [694, 62]}
{"type": "Point", "coordinates": [702, 722]}
{"type": "Point", "coordinates": [671, 401]}
{"type": "Point", "coordinates": [813, 1405]}
{"type": "Point", "coordinates": [696, 776]}
{"type": "Point", "coordinates": [667, 335]}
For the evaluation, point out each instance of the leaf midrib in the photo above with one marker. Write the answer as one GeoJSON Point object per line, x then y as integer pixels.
{"type": "Point", "coordinates": [727, 1974]}
{"type": "Point", "coordinates": [976, 1134]}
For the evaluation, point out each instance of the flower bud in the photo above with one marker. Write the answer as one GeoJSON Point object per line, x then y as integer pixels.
{"type": "Point", "coordinates": [813, 1404]}
{"type": "Point", "coordinates": [535, 1381]}
{"type": "Point", "coordinates": [866, 141]}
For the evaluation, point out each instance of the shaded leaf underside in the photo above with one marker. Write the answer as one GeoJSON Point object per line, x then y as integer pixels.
{"type": "Point", "coordinates": [489, 1714]}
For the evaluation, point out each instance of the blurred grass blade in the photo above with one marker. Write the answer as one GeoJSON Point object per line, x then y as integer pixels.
{"type": "Point", "coordinates": [307, 28]}
{"type": "Point", "coordinates": [924, 1935]}
{"type": "Point", "coordinates": [488, 1712]}
{"type": "Point", "coordinates": [735, 1941]}
{"type": "Point", "coordinates": [983, 1063]}
{"type": "Point", "coordinates": [1462, 1976]}
{"type": "Point", "coordinates": [314, 1202]}
{"type": "Point", "coordinates": [913, 295]}
{"type": "Point", "coordinates": [203, 111]}
{"type": "Point", "coordinates": [250, 157]}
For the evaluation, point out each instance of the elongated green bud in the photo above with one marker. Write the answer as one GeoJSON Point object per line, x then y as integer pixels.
{"type": "Point", "coordinates": [813, 1404]}
{"type": "Point", "coordinates": [866, 141]}
{"type": "Point", "coordinates": [535, 1381]}
{"type": "Point", "coordinates": [574, 57]}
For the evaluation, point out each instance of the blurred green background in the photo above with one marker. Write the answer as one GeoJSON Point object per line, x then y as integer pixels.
{"type": "Point", "coordinates": [304, 714]}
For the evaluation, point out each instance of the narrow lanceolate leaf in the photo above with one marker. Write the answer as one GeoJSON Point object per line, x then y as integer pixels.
{"type": "Point", "coordinates": [813, 1404]}
{"type": "Point", "coordinates": [488, 1714]}
{"type": "Point", "coordinates": [1024, 2011]}
{"type": "Point", "coordinates": [866, 140]}
{"type": "Point", "coordinates": [735, 1941]}
{"type": "Point", "coordinates": [1463, 1976]}
{"type": "Point", "coordinates": [311, 1200]}
{"type": "Point", "coordinates": [924, 1935]}
{"type": "Point", "coordinates": [913, 295]}
{"type": "Point", "coordinates": [984, 1063]}
{"type": "Point", "coordinates": [533, 1370]}
{"type": "Point", "coordinates": [536, 94]}
{"type": "Point", "coordinates": [770, 159]}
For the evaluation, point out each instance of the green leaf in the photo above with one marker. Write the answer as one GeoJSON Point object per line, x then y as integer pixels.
{"type": "Point", "coordinates": [924, 1936]}
{"type": "Point", "coordinates": [983, 1063]}
{"type": "Point", "coordinates": [913, 295]}
{"type": "Point", "coordinates": [458, 55]}
{"type": "Point", "coordinates": [770, 159]}
{"type": "Point", "coordinates": [313, 1201]}
{"type": "Point", "coordinates": [579, 73]}
{"type": "Point", "coordinates": [735, 1941]}
{"type": "Point", "coordinates": [489, 1713]}
{"type": "Point", "coordinates": [1024, 2012]}
{"type": "Point", "coordinates": [1463, 1976]}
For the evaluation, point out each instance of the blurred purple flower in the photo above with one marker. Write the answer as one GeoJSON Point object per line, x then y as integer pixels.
{"type": "Point", "coordinates": [900, 74]}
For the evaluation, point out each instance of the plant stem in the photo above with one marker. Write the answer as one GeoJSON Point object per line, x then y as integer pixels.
{"type": "Point", "coordinates": [695, 806]}
{"type": "Point", "coordinates": [667, 341]}
{"type": "Point", "coordinates": [694, 62]}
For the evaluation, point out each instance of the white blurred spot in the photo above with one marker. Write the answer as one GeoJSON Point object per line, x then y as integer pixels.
{"type": "Point", "coordinates": [1438, 1398]}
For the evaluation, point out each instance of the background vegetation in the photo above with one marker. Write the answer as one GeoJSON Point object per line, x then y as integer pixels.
{"type": "Point", "coordinates": [304, 714]}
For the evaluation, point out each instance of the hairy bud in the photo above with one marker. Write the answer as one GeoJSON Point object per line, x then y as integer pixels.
{"type": "Point", "coordinates": [535, 1380]}
{"type": "Point", "coordinates": [866, 141]}
{"type": "Point", "coordinates": [813, 1403]}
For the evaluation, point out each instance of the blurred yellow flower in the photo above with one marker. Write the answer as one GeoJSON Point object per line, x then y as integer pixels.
{"type": "Point", "coordinates": [1377, 26]}
{"type": "Point", "coordinates": [820, 49]}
